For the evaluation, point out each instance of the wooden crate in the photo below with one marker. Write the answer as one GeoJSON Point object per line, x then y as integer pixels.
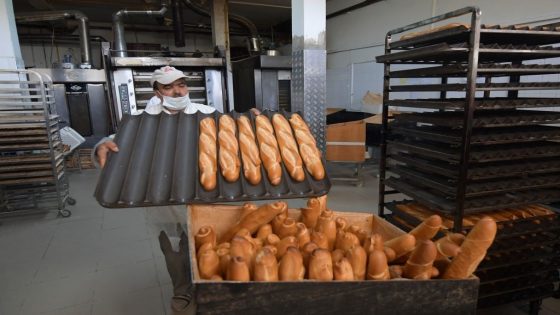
{"type": "Point", "coordinates": [320, 297]}
{"type": "Point", "coordinates": [346, 142]}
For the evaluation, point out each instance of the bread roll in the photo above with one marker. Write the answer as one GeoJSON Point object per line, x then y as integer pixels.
{"type": "Point", "coordinates": [288, 148]}
{"type": "Point", "coordinates": [229, 149]}
{"type": "Point", "coordinates": [419, 265]}
{"type": "Point", "coordinates": [205, 234]}
{"type": "Point", "coordinates": [377, 268]}
{"type": "Point", "coordinates": [268, 147]}
{"type": "Point", "coordinates": [311, 213]}
{"type": "Point", "coordinates": [238, 270]}
{"type": "Point", "coordinates": [207, 153]}
{"type": "Point", "coordinates": [320, 265]}
{"type": "Point", "coordinates": [266, 266]}
{"type": "Point", "coordinates": [291, 265]}
{"type": "Point", "coordinates": [308, 147]}
{"type": "Point", "coordinates": [249, 151]}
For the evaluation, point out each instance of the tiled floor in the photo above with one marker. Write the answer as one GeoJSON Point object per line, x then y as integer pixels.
{"type": "Point", "coordinates": [103, 261]}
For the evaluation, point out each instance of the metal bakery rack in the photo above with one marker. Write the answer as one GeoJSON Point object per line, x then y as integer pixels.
{"type": "Point", "coordinates": [32, 174]}
{"type": "Point", "coordinates": [479, 136]}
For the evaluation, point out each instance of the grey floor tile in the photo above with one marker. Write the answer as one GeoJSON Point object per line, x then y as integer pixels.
{"type": "Point", "coordinates": [161, 269]}
{"type": "Point", "coordinates": [11, 304]}
{"type": "Point", "coordinates": [166, 294]}
{"type": "Point", "coordinates": [552, 304]}
{"type": "Point", "coordinates": [141, 302]}
{"type": "Point", "coordinates": [116, 218]}
{"type": "Point", "coordinates": [124, 279]}
{"type": "Point", "coordinates": [123, 253]}
{"type": "Point", "coordinates": [52, 295]}
{"type": "Point", "coordinates": [84, 309]}
{"type": "Point", "coordinates": [124, 234]}
{"type": "Point", "coordinates": [60, 263]}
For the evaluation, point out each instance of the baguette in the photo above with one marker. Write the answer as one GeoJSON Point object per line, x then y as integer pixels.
{"type": "Point", "coordinates": [427, 229]}
{"type": "Point", "coordinates": [208, 264]}
{"type": "Point", "coordinates": [342, 270]}
{"type": "Point", "coordinates": [207, 153]}
{"type": "Point", "coordinates": [249, 151]}
{"type": "Point", "coordinates": [311, 213]}
{"type": "Point", "coordinates": [358, 259]}
{"type": "Point", "coordinates": [308, 147]}
{"type": "Point", "coordinates": [268, 146]}
{"type": "Point", "coordinates": [229, 149]}
{"type": "Point", "coordinates": [238, 270]}
{"type": "Point", "coordinates": [473, 250]}
{"type": "Point", "coordinates": [263, 215]}
{"type": "Point", "coordinates": [288, 148]}
{"type": "Point", "coordinates": [205, 234]}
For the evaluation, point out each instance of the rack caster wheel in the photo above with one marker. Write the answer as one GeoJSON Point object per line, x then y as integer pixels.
{"type": "Point", "coordinates": [65, 213]}
{"type": "Point", "coordinates": [71, 201]}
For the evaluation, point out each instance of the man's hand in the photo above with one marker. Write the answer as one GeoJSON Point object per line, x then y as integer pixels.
{"type": "Point", "coordinates": [103, 150]}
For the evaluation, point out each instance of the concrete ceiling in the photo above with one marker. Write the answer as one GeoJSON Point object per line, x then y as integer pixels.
{"type": "Point", "coordinates": [264, 13]}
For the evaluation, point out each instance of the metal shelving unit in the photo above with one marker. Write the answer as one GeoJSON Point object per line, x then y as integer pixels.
{"type": "Point", "coordinates": [32, 173]}
{"type": "Point", "coordinates": [487, 144]}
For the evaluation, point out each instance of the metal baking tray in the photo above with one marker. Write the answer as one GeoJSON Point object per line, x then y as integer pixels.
{"type": "Point", "coordinates": [484, 70]}
{"type": "Point", "coordinates": [459, 53]}
{"type": "Point", "coordinates": [475, 189]}
{"type": "Point", "coordinates": [428, 196]}
{"type": "Point", "coordinates": [486, 136]}
{"type": "Point", "coordinates": [479, 103]}
{"type": "Point", "coordinates": [494, 118]}
{"type": "Point", "coordinates": [538, 35]}
{"type": "Point", "coordinates": [482, 171]}
{"type": "Point", "coordinates": [478, 154]}
{"type": "Point", "coordinates": [157, 164]}
{"type": "Point", "coordinates": [479, 87]}
{"type": "Point", "coordinates": [487, 290]}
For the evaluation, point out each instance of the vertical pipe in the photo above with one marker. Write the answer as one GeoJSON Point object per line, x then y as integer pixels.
{"type": "Point", "coordinates": [178, 23]}
{"type": "Point", "coordinates": [474, 44]}
{"type": "Point", "coordinates": [85, 48]}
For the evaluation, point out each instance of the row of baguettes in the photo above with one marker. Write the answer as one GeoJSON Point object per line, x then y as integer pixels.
{"type": "Point", "coordinates": [421, 212]}
{"type": "Point", "coordinates": [277, 141]}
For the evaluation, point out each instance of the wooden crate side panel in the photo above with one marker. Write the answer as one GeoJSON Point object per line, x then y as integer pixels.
{"type": "Point", "coordinates": [352, 297]}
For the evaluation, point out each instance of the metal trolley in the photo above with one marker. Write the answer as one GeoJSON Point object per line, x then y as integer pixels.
{"type": "Point", "coordinates": [32, 172]}
{"type": "Point", "coordinates": [484, 140]}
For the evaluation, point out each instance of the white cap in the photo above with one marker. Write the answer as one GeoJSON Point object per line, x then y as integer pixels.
{"type": "Point", "coordinates": [166, 75]}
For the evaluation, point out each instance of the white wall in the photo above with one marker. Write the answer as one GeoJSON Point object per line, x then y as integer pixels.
{"type": "Point", "coordinates": [357, 37]}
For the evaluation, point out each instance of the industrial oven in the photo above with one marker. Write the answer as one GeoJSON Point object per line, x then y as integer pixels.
{"type": "Point", "coordinates": [129, 79]}
{"type": "Point", "coordinates": [263, 82]}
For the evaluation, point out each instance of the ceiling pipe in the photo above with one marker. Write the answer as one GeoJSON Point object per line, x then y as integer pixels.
{"type": "Point", "coordinates": [118, 26]}
{"type": "Point", "coordinates": [352, 8]}
{"type": "Point", "coordinates": [238, 19]}
{"type": "Point", "coordinates": [83, 28]}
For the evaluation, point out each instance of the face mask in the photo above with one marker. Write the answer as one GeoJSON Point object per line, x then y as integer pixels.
{"type": "Point", "coordinates": [176, 103]}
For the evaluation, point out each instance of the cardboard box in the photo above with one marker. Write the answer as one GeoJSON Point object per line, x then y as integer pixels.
{"type": "Point", "coordinates": [346, 142]}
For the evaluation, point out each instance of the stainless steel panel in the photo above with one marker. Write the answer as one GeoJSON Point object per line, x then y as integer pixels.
{"type": "Point", "coordinates": [258, 90]}
{"type": "Point", "coordinates": [215, 89]}
{"type": "Point", "coordinates": [284, 75]}
{"type": "Point", "coordinates": [308, 90]}
{"type": "Point", "coordinates": [281, 62]}
{"type": "Point", "coordinates": [98, 109]}
{"type": "Point", "coordinates": [123, 89]}
{"type": "Point", "coordinates": [74, 75]}
{"type": "Point", "coordinates": [61, 104]}
{"type": "Point", "coordinates": [165, 61]}
{"type": "Point", "coordinates": [269, 90]}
